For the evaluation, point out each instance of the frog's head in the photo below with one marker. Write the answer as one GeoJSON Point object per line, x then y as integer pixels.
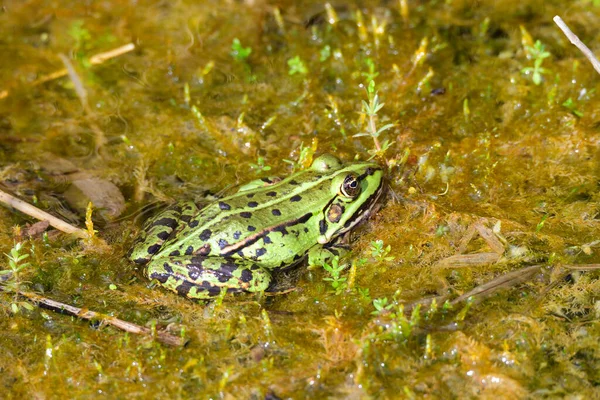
{"type": "Point", "coordinates": [355, 189]}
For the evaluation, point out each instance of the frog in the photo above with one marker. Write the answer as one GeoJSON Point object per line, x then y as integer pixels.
{"type": "Point", "coordinates": [233, 244]}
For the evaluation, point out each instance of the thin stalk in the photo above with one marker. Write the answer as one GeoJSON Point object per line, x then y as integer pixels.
{"type": "Point", "coordinates": [87, 314]}
{"type": "Point", "coordinates": [578, 43]}
{"type": "Point", "coordinates": [35, 212]}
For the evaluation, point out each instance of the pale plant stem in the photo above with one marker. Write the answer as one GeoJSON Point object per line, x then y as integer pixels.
{"type": "Point", "coordinates": [507, 280]}
{"type": "Point", "coordinates": [373, 129]}
{"type": "Point", "coordinates": [87, 314]}
{"type": "Point", "coordinates": [583, 267]}
{"type": "Point", "coordinates": [35, 212]}
{"type": "Point", "coordinates": [83, 98]}
{"type": "Point", "coordinates": [578, 43]}
{"type": "Point", "coordinates": [77, 83]}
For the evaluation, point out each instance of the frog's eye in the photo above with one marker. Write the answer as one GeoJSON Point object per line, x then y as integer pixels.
{"type": "Point", "coordinates": [350, 187]}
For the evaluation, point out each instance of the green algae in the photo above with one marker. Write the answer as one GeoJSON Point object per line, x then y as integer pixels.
{"type": "Point", "coordinates": [474, 139]}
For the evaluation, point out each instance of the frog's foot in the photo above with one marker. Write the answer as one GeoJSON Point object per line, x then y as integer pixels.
{"type": "Point", "coordinates": [320, 255]}
{"type": "Point", "coordinates": [205, 277]}
{"type": "Point", "coordinates": [159, 229]}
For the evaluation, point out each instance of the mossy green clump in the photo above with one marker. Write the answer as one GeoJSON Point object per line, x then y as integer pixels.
{"type": "Point", "coordinates": [483, 113]}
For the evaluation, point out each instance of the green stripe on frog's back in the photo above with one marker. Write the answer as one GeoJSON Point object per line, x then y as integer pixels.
{"type": "Point", "coordinates": [232, 223]}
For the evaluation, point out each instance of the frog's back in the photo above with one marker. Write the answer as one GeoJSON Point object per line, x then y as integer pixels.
{"type": "Point", "coordinates": [274, 225]}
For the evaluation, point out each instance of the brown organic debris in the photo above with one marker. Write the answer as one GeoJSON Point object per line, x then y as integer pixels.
{"type": "Point", "coordinates": [502, 282]}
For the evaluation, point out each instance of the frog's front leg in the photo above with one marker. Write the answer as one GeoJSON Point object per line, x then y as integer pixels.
{"type": "Point", "coordinates": [319, 255]}
{"type": "Point", "coordinates": [159, 229]}
{"type": "Point", "coordinates": [204, 277]}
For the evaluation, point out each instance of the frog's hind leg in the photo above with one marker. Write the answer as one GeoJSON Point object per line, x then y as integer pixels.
{"type": "Point", "coordinates": [204, 277]}
{"type": "Point", "coordinates": [159, 229]}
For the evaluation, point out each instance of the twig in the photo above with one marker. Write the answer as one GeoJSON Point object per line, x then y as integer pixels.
{"type": "Point", "coordinates": [582, 267]}
{"type": "Point", "coordinates": [86, 314]}
{"type": "Point", "coordinates": [94, 60]}
{"type": "Point", "coordinates": [77, 83]}
{"type": "Point", "coordinates": [468, 260]}
{"type": "Point", "coordinates": [83, 98]}
{"type": "Point", "coordinates": [35, 212]}
{"type": "Point", "coordinates": [107, 55]}
{"type": "Point", "coordinates": [510, 279]}
{"type": "Point", "coordinates": [577, 42]}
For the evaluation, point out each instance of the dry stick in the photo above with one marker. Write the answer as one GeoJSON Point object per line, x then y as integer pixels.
{"type": "Point", "coordinates": [583, 267]}
{"type": "Point", "coordinates": [77, 83]}
{"type": "Point", "coordinates": [57, 306]}
{"type": "Point", "coordinates": [503, 281]}
{"type": "Point", "coordinates": [468, 260]}
{"type": "Point", "coordinates": [107, 55]}
{"type": "Point", "coordinates": [578, 43]}
{"type": "Point", "coordinates": [94, 60]}
{"type": "Point", "coordinates": [83, 98]}
{"type": "Point", "coordinates": [35, 212]}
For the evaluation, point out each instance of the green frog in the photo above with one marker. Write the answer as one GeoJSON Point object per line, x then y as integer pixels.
{"type": "Point", "coordinates": [235, 242]}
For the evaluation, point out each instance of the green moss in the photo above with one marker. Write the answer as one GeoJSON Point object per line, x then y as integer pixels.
{"type": "Point", "coordinates": [482, 126]}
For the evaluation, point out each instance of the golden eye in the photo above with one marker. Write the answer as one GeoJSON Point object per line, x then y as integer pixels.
{"type": "Point", "coordinates": [350, 186]}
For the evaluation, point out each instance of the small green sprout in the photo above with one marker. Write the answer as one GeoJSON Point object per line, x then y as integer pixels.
{"type": "Point", "coordinates": [447, 306]}
{"type": "Point", "coordinates": [433, 308]}
{"type": "Point", "coordinates": [424, 83]}
{"type": "Point", "coordinates": [370, 110]}
{"type": "Point", "coordinates": [207, 68]}
{"type": "Point", "coordinates": [466, 110]}
{"type": "Point", "coordinates": [297, 66]}
{"type": "Point", "coordinates": [15, 262]}
{"type": "Point", "coordinates": [407, 325]}
{"type": "Point", "coordinates": [441, 230]}
{"type": "Point", "coordinates": [538, 53]}
{"type": "Point", "coordinates": [219, 299]}
{"type": "Point", "coordinates": [541, 224]}
{"type": "Point", "coordinates": [380, 252]}
{"type": "Point", "coordinates": [239, 52]}
{"type": "Point", "coordinates": [569, 104]}
{"type": "Point", "coordinates": [399, 326]}
{"type": "Point", "coordinates": [78, 32]}
{"type": "Point", "coordinates": [186, 94]}
{"type": "Point", "coordinates": [364, 293]}
{"type": "Point", "coordinates": [325, 53]}
{"type": "Point", "coordinates": [484, 26]}
{"type": "Point", "coordinates": [260, 166]}
{"type": "Point", "coordinates": [10, 280]}
{"type": "Point", "coordinates": [304, 158]}
{"type": "Point", "coordinates": [372, 73]}
{"type": "Point", "coordinates": [381, 306]}
{"type": "Point", "coordinates": [463, 312]}
{"type": "Point", "coordinates": [267, 326]}
{"type": "Point", "coordinates": [338, 283]}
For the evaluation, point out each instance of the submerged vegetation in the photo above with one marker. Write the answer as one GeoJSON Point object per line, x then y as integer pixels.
{"type": "Point", "coordinates": [478, 277]}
